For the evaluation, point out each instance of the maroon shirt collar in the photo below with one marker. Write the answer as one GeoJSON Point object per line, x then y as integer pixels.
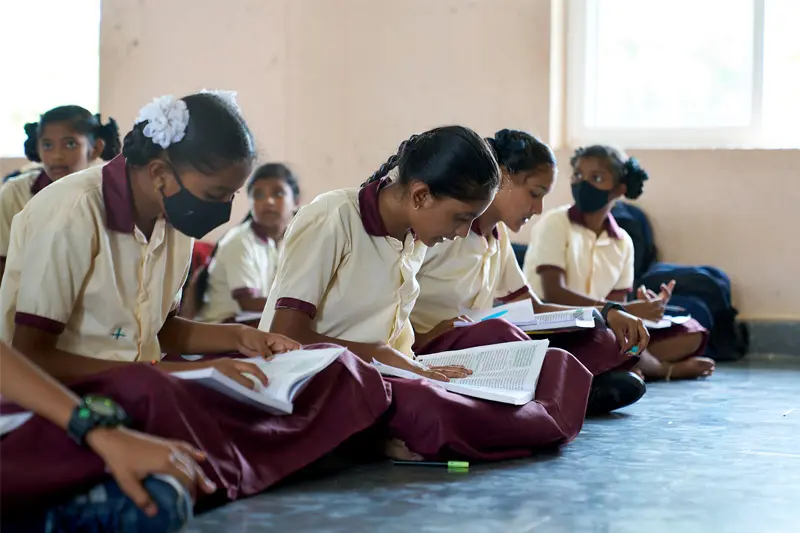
{"type": "Point", "coordinates": [117, 196]}
{"type": "Point", "coordinates": [612, 228]}
{"type": "Point", "coordinates": [476, 228]}
{"type": "Point", "coordinates": [370, 212]}
{"type": "Point", "coordinates": [41, 181]}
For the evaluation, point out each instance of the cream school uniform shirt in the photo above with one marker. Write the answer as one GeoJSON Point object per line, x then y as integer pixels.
{"type": "Point", "coordinates": [340, 267]}
{"type": "Point", "coordinates": [467, 274]}
{"type": "Point", "coordinates": [245, 263]}
{"type": "Point", "coordinates": [79, 268]}
{"type": "Point", "coordinates": [594, 265]}
{"type": "Point", "coordinates": [14, 195]}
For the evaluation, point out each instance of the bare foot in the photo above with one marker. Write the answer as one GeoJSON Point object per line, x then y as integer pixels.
{"type": "Point", "coordinates": [397, 449]}
{"type": "Point", "coordinates": [638, 371]}
{"type": "Point", "coordinates": [693, 368]}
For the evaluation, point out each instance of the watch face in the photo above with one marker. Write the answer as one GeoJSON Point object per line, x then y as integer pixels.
{"type": "Point", "coordinates": [101, 406]}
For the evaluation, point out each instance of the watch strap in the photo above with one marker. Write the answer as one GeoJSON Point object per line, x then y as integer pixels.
{"type": "Point", "coordinates": [607, 309]}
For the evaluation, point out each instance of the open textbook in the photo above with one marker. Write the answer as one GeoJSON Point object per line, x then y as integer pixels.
{"type": "Point", "coordinates": [521, 315]}
{"type": "Point", "coordinates": [506, 373]}
{"type": "Point", "coordinates": [288, 374]}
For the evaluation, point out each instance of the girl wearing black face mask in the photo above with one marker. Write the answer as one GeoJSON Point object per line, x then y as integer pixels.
{"type": "Point", "coordinates": [92, 289]}
{"type": "Point", "coordinates": [578, 255]}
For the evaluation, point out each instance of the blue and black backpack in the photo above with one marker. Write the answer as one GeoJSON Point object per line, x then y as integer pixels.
{"type": "Point", "coordinates": [704, 291]}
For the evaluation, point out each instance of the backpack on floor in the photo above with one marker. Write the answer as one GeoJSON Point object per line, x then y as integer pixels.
{"type": "Point", "coordinates": [635, 223]}
{"type": "Point", "coordinates": [705, 292]}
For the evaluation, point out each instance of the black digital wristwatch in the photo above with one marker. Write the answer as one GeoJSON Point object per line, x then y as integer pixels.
{"type": "Point", "coordinates": [94, 412]}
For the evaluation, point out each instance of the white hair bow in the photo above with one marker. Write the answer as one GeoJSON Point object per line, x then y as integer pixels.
{"type": "Point", "coordinates": [167, 118]}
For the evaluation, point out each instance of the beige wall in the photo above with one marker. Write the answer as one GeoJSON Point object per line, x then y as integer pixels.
{"type": "Point", "coordinates": [333, 86]}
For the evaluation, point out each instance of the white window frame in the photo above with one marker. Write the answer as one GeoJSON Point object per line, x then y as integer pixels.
{"type": "Point", "coordinates": [580, 91]}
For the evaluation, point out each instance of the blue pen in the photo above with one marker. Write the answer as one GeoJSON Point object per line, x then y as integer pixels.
{"type": "Point", "coordinates": [496, 315]}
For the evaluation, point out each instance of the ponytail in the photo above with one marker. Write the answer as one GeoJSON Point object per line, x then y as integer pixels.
{"type": "Point", "coordinates": [31, 141]}
{"type": "Point", "coordinates": [109, 133]}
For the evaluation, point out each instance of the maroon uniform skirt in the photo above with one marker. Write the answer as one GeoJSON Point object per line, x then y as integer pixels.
{"type": "Point", "coordinates": [248, 450]}
{"type": "Point", "coordinates": [678, 330]}
{"type": "Point", "coordinates": [436, 423]}
{"type": "Point", "coordinates": [596, 348]}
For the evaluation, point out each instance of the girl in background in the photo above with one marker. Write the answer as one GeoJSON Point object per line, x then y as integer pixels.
{"type": "Point", "coordinates": [348, 276]}
{"type": "Point", "coordinates": [92, 288]}
{"type": "Point", "coordinates": [474, 272]}
{"type": "Point", "coordinates": [578, 255]}
{"type": "Point", "coordinates": [67, 139]}
{"type": "Point", "coordinates": [243, 263]}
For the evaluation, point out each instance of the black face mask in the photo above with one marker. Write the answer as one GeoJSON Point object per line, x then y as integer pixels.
{"type": "Point", "coordinates": [193, 216]}
{"type": "Point", "coordinates": [589, 198]}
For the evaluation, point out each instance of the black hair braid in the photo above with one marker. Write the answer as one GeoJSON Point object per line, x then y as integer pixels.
{"type": "Point", "coordinates": [634, 177]}
{"type": "Point", "coordinates": [31, 149]}
{"type": "Point", "coordinates": [138, 148]}
{"type": "Point", "coordinates": [393, 160]}
{"type": "Point", "coordinates": [109, 132]}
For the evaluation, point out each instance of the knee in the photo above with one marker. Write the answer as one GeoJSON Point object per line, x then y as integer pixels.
{"type": "Point", "coordinates": [694, 341]}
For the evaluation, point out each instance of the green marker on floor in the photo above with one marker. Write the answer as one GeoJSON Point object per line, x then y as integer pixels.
{"type": "Point", "coordinates": [457, 466]}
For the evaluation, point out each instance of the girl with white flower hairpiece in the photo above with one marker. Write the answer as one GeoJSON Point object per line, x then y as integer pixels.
{"type": "Point", "coordinates": [91, 294]}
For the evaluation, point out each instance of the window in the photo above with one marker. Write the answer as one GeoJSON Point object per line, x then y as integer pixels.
{"type": "Point", "coordinates": [684, 73]}
{"type": "Point", "coordinates": [50, 55]}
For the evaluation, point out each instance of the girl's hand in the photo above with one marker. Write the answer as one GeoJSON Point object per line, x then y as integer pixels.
{"type": "Point", "coordinates": [256, 343]}
{"type": "Point", "coordinates": [664, 296]}
{"type": "Point", "coordinates": [132, 456]}
{"type": "Point", "coordinates": [238, 370]}
{"type": "Point", "coordinates": [389, 356]}
{"type": "Point", "coordinates": [629, 331]}
{"type": "Point", "coordinates": [452, 371]}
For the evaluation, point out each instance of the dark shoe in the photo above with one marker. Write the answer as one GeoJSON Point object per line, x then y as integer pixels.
{"type": "Point", "coordinates": [614, 390]}
{"type": "Point", "coordinates": [106, 509]}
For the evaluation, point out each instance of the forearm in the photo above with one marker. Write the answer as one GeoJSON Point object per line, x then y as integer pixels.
{"type": "Point", "coordinates": [181, 336]}
{"type": "Point", "coordinates": [305, 335]}
{"type": "Point", "coordinates": [66, 366]}
{"type": "Point", "coordinates": [24, 384]}
{"type": "Point", "coordinates": [250, 304]}
{"type": "Point", "coordinates": [567, 297]}
{"type": "Point", "coordinates": [541, 307]}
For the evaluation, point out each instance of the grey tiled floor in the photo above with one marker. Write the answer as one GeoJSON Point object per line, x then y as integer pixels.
{"type": "Point", "coordinates": [721, 455]}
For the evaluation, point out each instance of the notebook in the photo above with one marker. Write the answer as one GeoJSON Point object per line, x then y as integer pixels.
{"type": "Point", "coordinates": [288, 375]}
{"type": "Point", "coordinates": [667, 322]}
{"type": "Point", "coordinates": [521, 315]}
{"type": "Point", "coordinates": [505, 373]}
